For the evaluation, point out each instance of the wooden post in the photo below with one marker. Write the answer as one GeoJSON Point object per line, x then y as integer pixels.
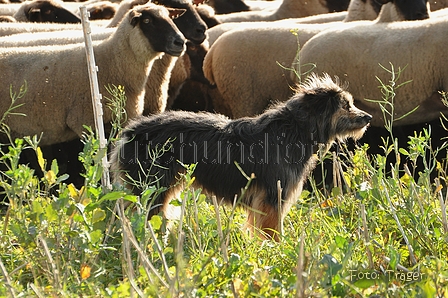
{"type": "Point", "coordinates": [96, 95]}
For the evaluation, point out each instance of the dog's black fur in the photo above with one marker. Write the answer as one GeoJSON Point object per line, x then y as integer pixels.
{"type": "Point", "coordinates": [278, 145]}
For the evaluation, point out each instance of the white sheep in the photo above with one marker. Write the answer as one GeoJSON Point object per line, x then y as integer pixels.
{"type": "Point", "coordinates": [441, 13]}
{"type": "Point", "coordinates": [193, 28]}
{"type": "Point", "coordinates": [45, 11]}
{"type": "Point", "coordinates": [438, 4]}
{"type": "Point", "coordinates": [9, 9]}
{"type": "Point", "coordinates": [101, 10]}
{"type": "Point", "coordinates": [207, 14]}
{"type": "Point", "coordinates": [246, 71]}
{"type": "Point", "coordinates": [156, 95]}
{"type": "Point", "coordinates": [122, 10]}
{"type": "Point", "coordinates": [24, 27]}
{"type": "Point", "coordinates": [40, 34]}
{"type": "Point", "coordinates": [357, 10]}
{"type": "Point", "coordinates": [262, 5]}
{"type": "Point", "coordinates": [58, 100]}
{"type": "Point", "coordinates": [61, 37]}
{"type": "Point", "coordinates": [162, 74]}
{"type": "Point", "coordinates": [65, 34]}
{"type": "Point", "coordinates": [7, 19]}
{"type": "Point", "coordinates": [355, 53]}
{"type": "Point", "coordinates": [287, 9]}
{"type": "Point", "coordinates": [247, 80]}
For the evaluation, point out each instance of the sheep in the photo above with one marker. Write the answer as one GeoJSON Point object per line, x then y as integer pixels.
{"type": "Point", "coordinates": [363, 10]}
{"type": "Point", "coordinates": [122, 10]}
{"type": "Point", "coordinates": [237, 77]}
{"type": "Point", "coordinates": [156, 95]}
{"type": "Point", "coordinates": [193, 27]}
{"type": "Point", "coordinates": [191, 94]}
{"type": "Point", "coordinates": [397, 43]}
{"type": "Point", "coordinates": [162, 75]}
{"type": "Point", "coordinates": [45, 11]}
{"type": "Point", "coordinates": [102, 10]}
{"type": "Point", "coordinates": [157, 85]}
{"type": "Point", "coordinates": [223, 27]}
{"type": "Point", "coordinates": [9, 9]}
{"type": "Point", "coordinates": [438, 4]}
{"type": "Point", "coordinates": [22, 27]}
{"type": "Point", "coordinates": [357, 10]}
{"type": "Point", "coordinates": [247, 76]}
{"type": "Point", "coordinates": [189, 23]}
{"type": "Point", "coordinates": [440, 13]}
{"type": "Point", "coordinates": [61, 37]}
{"type": "Point", "coordinates": [7, 19]}
{"type": "Point", "coordinates": [58, 100]}
{"type": "Point", "coordinates": [228, 6]}
{"type": "Point", "coordinates": [288, 9]}
{"type": "Point", "coordinates": [208, 15]}
{"type": "Point", "coordinates": [180, 74]}
{"type": "Point", "coordinates": [263, 5]}
{"type": "Point", "coordinates": [360, 10]}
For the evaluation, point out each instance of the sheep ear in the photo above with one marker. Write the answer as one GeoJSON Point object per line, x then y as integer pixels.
{"type": "Point", "coordinates": [197, 2]}
{"type": "Point", "coordinates": [33, 12]}
{"type": "Point", "coordinates": [135, 17]}
{"type": "Point", "coordinates": [176, 12]}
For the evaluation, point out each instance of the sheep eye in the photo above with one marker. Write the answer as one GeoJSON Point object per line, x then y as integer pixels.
{"type": "Point", "coordinates": [146, 21]}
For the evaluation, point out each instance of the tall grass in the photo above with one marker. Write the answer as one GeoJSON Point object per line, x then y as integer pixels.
{"type": "Point", "coordinates": [379, 230]}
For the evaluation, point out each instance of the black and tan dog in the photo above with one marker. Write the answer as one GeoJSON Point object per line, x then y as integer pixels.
{"type": "Point", "coordinates": [278, 145]}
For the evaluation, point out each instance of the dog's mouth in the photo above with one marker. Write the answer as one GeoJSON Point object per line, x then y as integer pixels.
{"type": "Point", "coordinates": [357, 128]}
{"type": "Point", "coordinates": [362, 124]}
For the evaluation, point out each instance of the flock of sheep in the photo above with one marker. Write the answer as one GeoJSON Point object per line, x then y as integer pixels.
{"type": "Point", "coordinates": [187, 54]}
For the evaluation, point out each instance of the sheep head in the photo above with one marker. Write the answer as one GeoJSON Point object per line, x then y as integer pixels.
{"type": "Point", "coordinates": [156, 25]}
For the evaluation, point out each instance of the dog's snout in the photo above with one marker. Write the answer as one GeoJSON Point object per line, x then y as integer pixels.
{"type": "Point", "coordinates": [367, 117]}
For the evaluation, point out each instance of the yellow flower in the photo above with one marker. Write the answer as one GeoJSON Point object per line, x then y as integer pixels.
{"type": "Point", "coordinates": [85, 271]}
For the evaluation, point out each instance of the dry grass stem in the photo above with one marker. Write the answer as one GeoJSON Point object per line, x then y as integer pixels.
{"type": "Point", "coordinates": [366, 235]}
{"type": "Point", "coordinates": [400, 227]}
{"type": "Point", "coordinates": [442, 205]}
{"type": "Point", "coordinates": [225, 256]}
{"type": "Point", "coordinates": [280, 210]}
{"type": "Point", "coordinates": [54, 268]}
{"type": "Point", "coordinates": [300, 287]}
{"type": "Point", "coordinates": [7, 280]}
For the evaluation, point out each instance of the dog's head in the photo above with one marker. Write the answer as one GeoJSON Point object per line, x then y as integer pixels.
{"type": "Point", "coordinates": [330, 109]}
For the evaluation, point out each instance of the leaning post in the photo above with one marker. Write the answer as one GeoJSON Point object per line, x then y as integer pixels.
{"type": "Point", "coordinates": [96, 95]}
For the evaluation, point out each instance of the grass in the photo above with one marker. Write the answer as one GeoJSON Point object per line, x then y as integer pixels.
{"type": "Point", "coordinates": [380, 229]}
